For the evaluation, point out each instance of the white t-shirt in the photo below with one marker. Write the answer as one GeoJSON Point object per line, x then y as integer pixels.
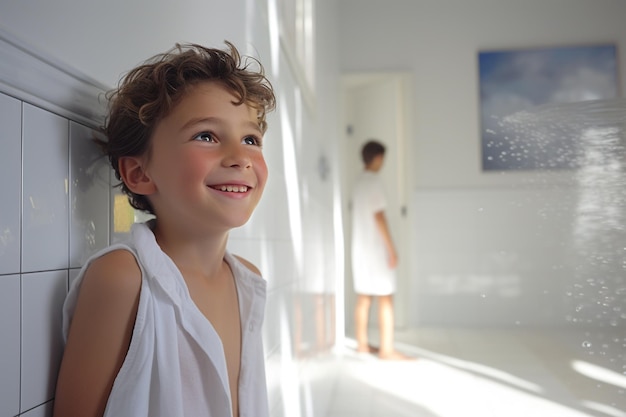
{"type": "Point", "coordinates": [175, 365]}
{"type": "Point", "coordinates": [370, 268]}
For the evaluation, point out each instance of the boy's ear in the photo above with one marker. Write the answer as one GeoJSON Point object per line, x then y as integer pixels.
{"type": "Point", "coordinates": [134, 175]}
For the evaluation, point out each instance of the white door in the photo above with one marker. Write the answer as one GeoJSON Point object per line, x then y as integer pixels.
{"type": "Point", "coordinates": [375, 107]}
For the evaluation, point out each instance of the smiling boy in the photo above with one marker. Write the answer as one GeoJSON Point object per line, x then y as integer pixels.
{"type": "Point", "coordinates": [169, 323]}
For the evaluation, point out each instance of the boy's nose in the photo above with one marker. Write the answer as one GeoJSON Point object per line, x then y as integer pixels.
{"type": "Point", "coordinates": [236, 156]}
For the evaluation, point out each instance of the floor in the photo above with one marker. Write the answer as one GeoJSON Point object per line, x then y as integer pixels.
{"type": "Point", "coordinates": [482, 373]}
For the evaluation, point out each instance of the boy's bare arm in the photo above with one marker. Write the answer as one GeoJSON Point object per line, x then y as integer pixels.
{"type": "Point", "coordinates": [383, 228]}
{"type": "Point", "coordinates": [99, 335]}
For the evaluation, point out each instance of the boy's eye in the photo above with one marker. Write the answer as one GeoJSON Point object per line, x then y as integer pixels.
{"type": "Point", "coordinates": [251, 140]}
{"type": "Point", "coordinates": [205, 137]}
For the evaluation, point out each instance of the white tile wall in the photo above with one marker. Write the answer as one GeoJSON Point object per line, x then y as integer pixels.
{"type": "Point", "coordinates": [9, 345]}
{"type": "Point", "coordinates": [35, 243]}
{"type": "Point", "coordinates": [10, 171]}
{"type": "Point", "coordinates": [483, 250]}
{"type": "Point", "coordinates": [89, 196]}
{"type": "Point", "coordinates": [43, 294]}
{"type": "Point", "coordinates": [45, 217]}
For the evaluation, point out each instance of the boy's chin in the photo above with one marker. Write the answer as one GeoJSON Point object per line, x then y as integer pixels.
{"type": "Point", "coordinates": [240, 222]}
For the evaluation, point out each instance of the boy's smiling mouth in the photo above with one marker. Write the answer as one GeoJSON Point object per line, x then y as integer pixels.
{"type": "Point", "coordinates": [231, 188]}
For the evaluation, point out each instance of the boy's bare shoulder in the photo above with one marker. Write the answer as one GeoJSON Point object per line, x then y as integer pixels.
{"type": "Point", "coordinates": [109, 292]}
{"type": "Point", "coordinates": [114, 271]}
{"type": "Point", "coordinates": [248, 265]}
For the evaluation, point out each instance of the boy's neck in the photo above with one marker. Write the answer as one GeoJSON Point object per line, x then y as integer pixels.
{"type": "Point", "coordinates": [204, 255]}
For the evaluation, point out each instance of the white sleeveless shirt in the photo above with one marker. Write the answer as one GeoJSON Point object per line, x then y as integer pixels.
{"type": "Point", "coordinates": [175, 365]}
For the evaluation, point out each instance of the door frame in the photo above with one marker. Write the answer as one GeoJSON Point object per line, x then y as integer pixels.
{"type": "Point", "coordinates": [402, 237]}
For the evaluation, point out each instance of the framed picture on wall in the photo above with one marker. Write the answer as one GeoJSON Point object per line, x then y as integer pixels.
{"type": "Point", "coordinates": [528, 96]}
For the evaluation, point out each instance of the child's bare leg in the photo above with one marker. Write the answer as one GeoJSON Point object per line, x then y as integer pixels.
{"type": "Point", "coordinates": [361, 314]}
{"type": "Point", "coordinates": [385, 319]}
{"type": "Point", "coordinates": [386, 322]}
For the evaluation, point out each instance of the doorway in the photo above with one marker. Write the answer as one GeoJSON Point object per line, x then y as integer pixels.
{"type": "Point", "coordinates": [377, 105]}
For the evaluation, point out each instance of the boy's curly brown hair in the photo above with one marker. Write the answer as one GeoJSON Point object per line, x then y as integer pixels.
{"type": "Point", "coordinates": [371, 150]}
{"type": "Point", "coordinates": [149, 92]}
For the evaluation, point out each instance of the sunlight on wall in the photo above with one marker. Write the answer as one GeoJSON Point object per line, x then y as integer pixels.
{"type": "Point", "coordinates": [340, 316]}
{"type": "Point", "coordinates": [293, 187]}
{"type": "Point", "coordinates": [274, 31]}
{"type": "Point", "coordinates": [507, 285]}
{"type": "Point", "coordinates": [602, 171]}
{"type": "Point", "coordinates": [289, 380]}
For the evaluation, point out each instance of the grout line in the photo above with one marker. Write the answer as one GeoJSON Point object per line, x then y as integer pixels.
{"type": "Point", "coordinates": [21, 260]}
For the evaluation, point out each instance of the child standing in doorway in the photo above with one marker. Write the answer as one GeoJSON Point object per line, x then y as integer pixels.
{"type": "Point", "coordinates": [374, 256]}
{"type": "Point", "coordinates": [169, 323]}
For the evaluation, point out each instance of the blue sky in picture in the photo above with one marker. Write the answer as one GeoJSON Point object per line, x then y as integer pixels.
{"type": "Point", "coordinates": [515, 81]}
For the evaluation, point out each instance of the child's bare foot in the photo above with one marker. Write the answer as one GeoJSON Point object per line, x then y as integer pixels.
{"type": "Point", "coordinates": [367, 349]}
{"type": "Point", "coordinates": [395, 356]}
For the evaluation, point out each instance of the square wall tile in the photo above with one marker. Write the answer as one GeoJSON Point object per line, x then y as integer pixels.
{"type": "Point", "coordinates": [45, 217]}
{"type": "Point", "coordinates": [43, 294]}
{"type": "Point", "coordinates": [44, 410]}
{"type": "Point", "coordinates": [10, 171]}
{"type": "Point", "coordinates": [9, 345]}
{"type": "Point", "coordinates": [89, 195]}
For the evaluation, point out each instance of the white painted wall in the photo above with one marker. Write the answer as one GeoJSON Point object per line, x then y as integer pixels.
{"type": "Point", "coordinates": [291, 237]}
{"type": "Point", "coordinates": [491, 248]}
{"type": "Point", "coordinates": [438, 41]}
{"type": "Point", "coordinates": [104, 39]}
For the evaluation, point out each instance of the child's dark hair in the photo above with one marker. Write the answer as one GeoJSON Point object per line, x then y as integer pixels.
{"type": "Point", "coordinates": [371, 150]}
{"type": "Point", "coordinates": [148, 93]}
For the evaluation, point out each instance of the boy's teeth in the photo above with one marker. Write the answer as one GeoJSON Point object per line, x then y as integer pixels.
{"type": "Point", "coordinates": [232, 188]}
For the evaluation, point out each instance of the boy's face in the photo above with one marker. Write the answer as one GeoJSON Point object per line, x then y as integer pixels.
{"type": "Point", "coordinates": [377, 163]}
{"type": "Point", "coordinates": [206, 160]}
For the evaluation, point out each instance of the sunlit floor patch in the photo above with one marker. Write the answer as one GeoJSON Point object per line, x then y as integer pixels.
{"type": "Point", "coordinates": [456, 376]}
{"type": "Point", "coordinates": [603, 408]}
{"type": "Point", "coordinates": [599, 373]}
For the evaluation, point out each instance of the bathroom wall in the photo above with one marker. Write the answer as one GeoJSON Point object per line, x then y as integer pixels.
{"type": "Point", "coordinates": [55, 211]}
{"type": "Point", "coordinates": [490, 248]}
{"type": "Point", "coordinates": [59, 207]}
